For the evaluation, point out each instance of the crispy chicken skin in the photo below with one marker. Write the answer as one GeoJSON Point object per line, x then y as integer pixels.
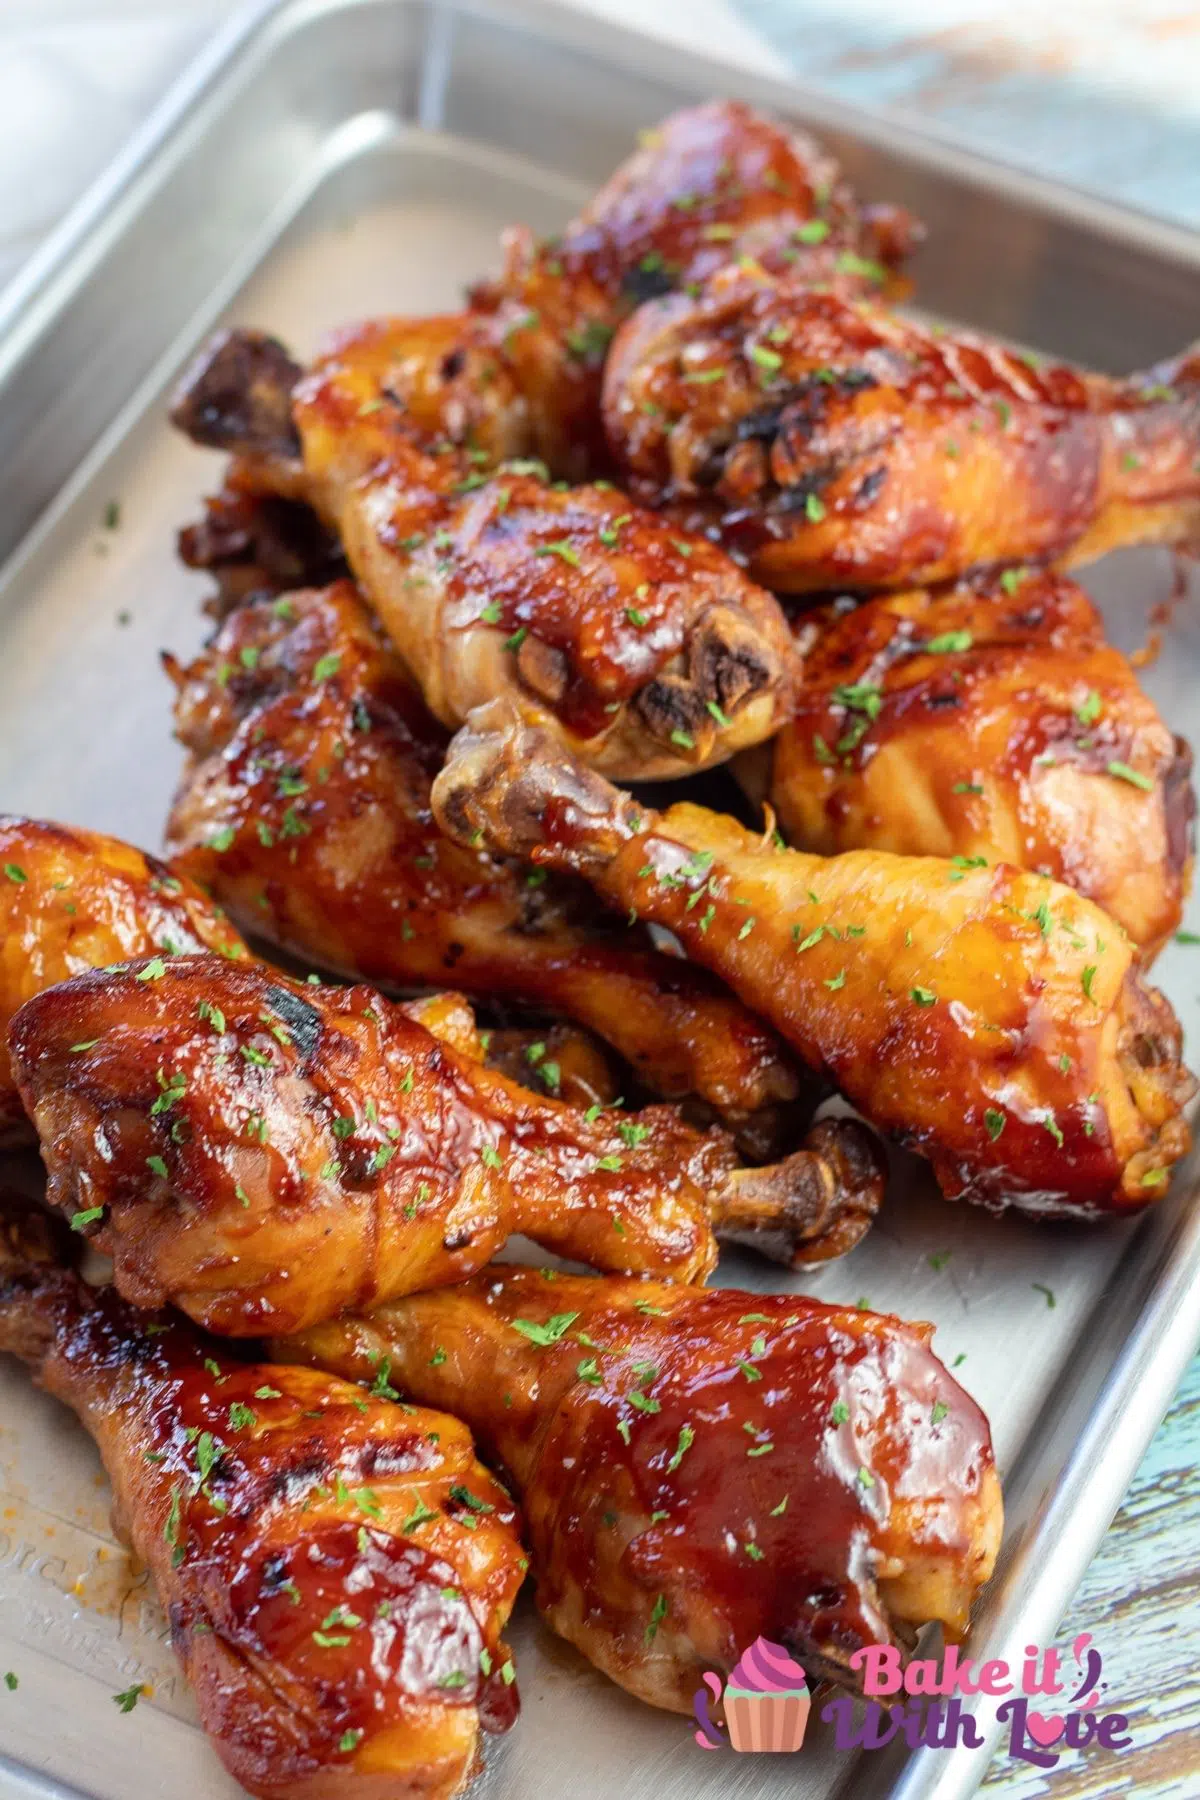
{"type": "Point", "coordinates": [647, 646]}
{"type": "Point", "coordinates": [304, 807]}
{"type": "Point", "coordinates": [265, 1155]}
{"type": "Point", "coordinates": [72, 900]}
{"type": "Point", "coordinates": [986, 719]}
{"type": "Point", "coordinates": [337, 1570]}
{"type": "Point", "coordinates": [698, 1468]}
{"type": "Point", "coordinates": [834, 444]}
{"type": "Point", "coordinates": [992, 1019]}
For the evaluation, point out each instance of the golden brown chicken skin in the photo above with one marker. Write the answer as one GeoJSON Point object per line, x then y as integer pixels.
{"type": "Point", "coordinates": [992, 1019]}
{"type": "Point", "coordinates": [834, 444]}
{"type": "Point", "coordinates": [709, 185]}
{"type": "Point", "coordinates": [987, 719]}
{"type": "Point", "coordinates": [651, 651]}
{"type": "Point", "coordinates": [304, 808]}
{"type": "Point", "coordinates": [265, 1154]}
{"type": "Point", "coordinates": [518, 372]}
{"type": "Point", "coordinates": [337, 1570]}
{"type": "Point", "coordinates": [701, 1468]}
{"type": "Point", "coordinates": [72, 900]}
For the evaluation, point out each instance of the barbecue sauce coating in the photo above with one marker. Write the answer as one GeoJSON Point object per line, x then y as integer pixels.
{"type": "Point", "coordinates": [990, 719]}
{"type": "Point", "coordinates": [265, 1155]}
{"type": "Point", "coordinates": [72, 900]}
{"type": "Point", "coordinates": [337, 1570]}
{"type": "Point", "coordinates": [701, 1468]}
{"type": "Point", "coordinates": [649, 648]}
{"type": "Point", "coordinates": [304, 807]}
{"type": "Point", "coordinates": [832, 443]}
{"type": "Point", "coordinates": [992, 1019]}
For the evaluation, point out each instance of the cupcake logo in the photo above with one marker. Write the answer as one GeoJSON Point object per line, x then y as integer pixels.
{"type": "Point", "coordinates": [765, 1702]}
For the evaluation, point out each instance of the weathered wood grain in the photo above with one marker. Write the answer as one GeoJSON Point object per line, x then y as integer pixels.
{"type": "Point", "coordinates": [1140, 1600]}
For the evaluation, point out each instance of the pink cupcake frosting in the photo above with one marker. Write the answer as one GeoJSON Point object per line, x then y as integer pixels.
{"type": "Point", "coordinates": [766, 1668]}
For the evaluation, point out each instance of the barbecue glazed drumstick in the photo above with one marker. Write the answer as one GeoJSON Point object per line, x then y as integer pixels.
{"type": "Point", "coordinates": [265, 1154]}
{"type": "Point", "coordinates": [987, 719]}
{"type": "Point", "coordinates": [647, 646]}
{"type": "Point", "coordinates": [518, 373]}
{"type": "Point", "coordinates": [994, 1020]}
{"type": "Point", "coordinates": [699, 1468]}
{"type": "Point", "coordinates": [72, 900]}
{"type": "Point", "coordinates": [304, 808]}
{"type": "Point", "coordinates": [711, 184]}
{"type": "Point", "coordinates": [834, 444]}
{"type": "Point", "coordinates": [337, 1570]}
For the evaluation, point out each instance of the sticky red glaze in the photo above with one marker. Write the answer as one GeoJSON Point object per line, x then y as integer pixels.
{"type": "Point", "coordinates": [336, 1570]}
{"type": "Point", "coordinates": [699, 1469]}
{"type": "Point", "coordinates": [268, 1154]}
{"type": "Point", "coordinates": [983, 720]}
{"type": "Point", "coordinates": [711, 184]}
{"type": "Point", "coordinates": [317, 792]}
{"type": "Point", "coordinates": [708, 185]}
{"type": "Point", "coordinates": [72, 900]}
{"type": "Point", "coordinates": [646, 644]}
{"type": "Point", "coordinates": [832, 443]}
{"type": "Point", "coordinates": [944, 1000]}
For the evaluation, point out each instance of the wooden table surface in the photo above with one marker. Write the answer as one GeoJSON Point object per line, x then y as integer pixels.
{"type": "Point", "coordinates": [1103, 93]}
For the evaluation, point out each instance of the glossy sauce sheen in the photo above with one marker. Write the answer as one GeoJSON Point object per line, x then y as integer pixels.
{"type": "Point", "coordinates": [1009, 1027]}
{"type": "Point", "coordinates": [988, 719]}
{"type": "Point", "coordinates": [698, 1469]}
{"type": "Point", "coordinates": [336, 1570]}
{"type": "Point", "coordinates": [305, 810]}
{"type": "Point", "coordinates": [629, 632]}
{"type": "Point", "coordinates": [72, 900]}
{"type": "Point", "coordinates": [268, 1154]}
{"type": "Point", "coordinates": [831, 442]}
{"type": "Point", "coordinates": [994, 1020]}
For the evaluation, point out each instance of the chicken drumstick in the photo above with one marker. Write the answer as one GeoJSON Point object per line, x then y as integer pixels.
{"type": "Point", "coordinates": [700, 1468]}
{"type": "Point", "coordinates": [652, 651]}
{"type": "Point", "coordinates": [337, 1570]}
{"type": "Point", "coordinates": [834, 444]}
{"type": "Point", "coordinates": [265, 1154]}
{"type": "Point", "coordinates": [994, 1020]}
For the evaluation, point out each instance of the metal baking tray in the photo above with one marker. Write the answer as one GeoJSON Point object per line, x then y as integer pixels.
{"type": "Point", "coordinates": [330, 159]}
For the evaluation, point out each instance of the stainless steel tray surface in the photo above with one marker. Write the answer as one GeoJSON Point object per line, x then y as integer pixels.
{"type": "Point", "coordinates": [337, 160]}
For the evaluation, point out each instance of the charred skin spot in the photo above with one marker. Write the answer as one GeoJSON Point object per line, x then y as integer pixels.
{"type": "Point", "coordinates": [641, 284]}
{"type": "Point", "coordinates": [237, 396]}
{"type": "Point", "coordinates": [869, 488]}
{"type": "Point", "coordinates": [305, 1464]}
{"type": "Point", "coordinates": [795, 498]}
{"type": "Point", "coordinates": [302, 1020]}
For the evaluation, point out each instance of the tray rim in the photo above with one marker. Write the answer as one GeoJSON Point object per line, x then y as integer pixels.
{"type": "Point", "coordinates": [42, 287]}
{"type": "Point", "coordinates": [1154, 1314]}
